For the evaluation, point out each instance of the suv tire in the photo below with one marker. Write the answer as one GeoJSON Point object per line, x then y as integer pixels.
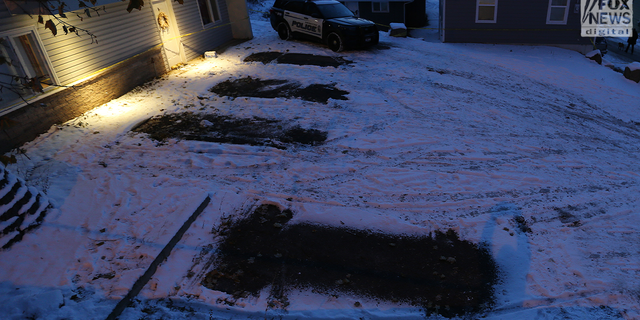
{"type": "Point", "coordinates": [283, 31]}
{"type": "Point", "coordinates": [375, 41]}
{"type": "Point", "coordinates": [335, 43]}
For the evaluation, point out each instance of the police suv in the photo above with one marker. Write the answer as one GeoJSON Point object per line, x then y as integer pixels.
{"type": "Point", "coordinates": [328, 21]}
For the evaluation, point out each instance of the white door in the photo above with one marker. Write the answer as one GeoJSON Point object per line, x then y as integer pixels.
{"type": "Point", "coordinates": [166, 22]}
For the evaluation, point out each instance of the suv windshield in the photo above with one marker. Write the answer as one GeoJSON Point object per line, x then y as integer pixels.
{"type": "Point", "coordinates": [336, 10]}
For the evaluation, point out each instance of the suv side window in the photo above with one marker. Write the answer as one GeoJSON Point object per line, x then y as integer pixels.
{"type": "Point", "coordinates": [310, 8]}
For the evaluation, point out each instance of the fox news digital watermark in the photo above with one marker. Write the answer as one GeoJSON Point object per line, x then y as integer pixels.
{"type": "Point", "coordinates": [606, 18]}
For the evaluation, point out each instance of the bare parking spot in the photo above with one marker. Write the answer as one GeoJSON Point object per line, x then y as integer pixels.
{"type": "Point", "coordinates": [275, 88]}
{"type": "Point", "coordinates": [439, 272]}
{"type": "Point", "coordinates": [301, 59]}
{"type": "Point", "coordinates": [224, 129]}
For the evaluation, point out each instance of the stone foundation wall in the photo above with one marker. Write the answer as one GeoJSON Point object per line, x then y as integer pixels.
{"type": "Point", "coordinates": [36, 118]}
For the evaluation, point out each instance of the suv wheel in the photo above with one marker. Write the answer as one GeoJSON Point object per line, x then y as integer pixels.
{"type": "Point", "coordinates": [283, 31]}
{"type": "Point", "coordinates": [375, 40]}
{"type": "Point", "coordinates": [335, 42]}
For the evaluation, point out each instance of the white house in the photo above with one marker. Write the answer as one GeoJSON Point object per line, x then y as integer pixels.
{"type": "Point", "coordinates": [79, 72]}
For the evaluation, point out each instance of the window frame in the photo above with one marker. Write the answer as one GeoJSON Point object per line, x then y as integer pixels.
{"type": "Point", "coordinates": [495, 11]}
{"type": "Point", "coordinates": [566, 12]}
{"type": "Point", "coordinates": [373, 9]}
{"type": "Point", "coordinates": [210, 13]}
{"type": "Point", "coordinates": [25, 66]}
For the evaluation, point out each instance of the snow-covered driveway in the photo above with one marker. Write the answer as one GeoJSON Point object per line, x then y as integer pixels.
{"type": "Point", "coordinates": [434, 136]}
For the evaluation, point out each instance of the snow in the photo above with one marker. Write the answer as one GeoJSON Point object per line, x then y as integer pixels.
{"type": "Point", "coordinates": [634, 66]}
{"type": "Point", "coordinates": [593, 53]}
{"type": "Point", "coordinates": [461, 136]}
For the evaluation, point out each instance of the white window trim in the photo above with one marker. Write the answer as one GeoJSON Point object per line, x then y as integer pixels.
{"type": "Point", "coordinates": [384, 11]}
{"type": "Point", "coordinates": [495, 11]}
{"type": "Point", "coordinates": [12, 33]}
{"type": "Point", "coordinates": [26, 30]}
{"type": "Point", "coordinates": [566, 13]}
{"type": "Point", "coordinates": [204, 26]}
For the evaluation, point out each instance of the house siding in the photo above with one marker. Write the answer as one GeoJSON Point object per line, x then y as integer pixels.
{"type": "Point", "coordinates": [636, 14]}
{"type": "Point", "coordinates": [189, 21]}
{"type": "Point", "coordinates": [9, 22]}
{"type": "Point", "coordinates": [127, 43]}
{"type": "Point", "coordinates": [516, 22]}
{"type": "Point", "coordinates": [37, 118]}
{"type": "Point", "coordinates": [75, 57]}
{"type": "Point", "coordinates": [383, 19]}
{"type": "Point", "coordinates": [120, 35]}
{"type": "Point", "coordinates": [127, 53]}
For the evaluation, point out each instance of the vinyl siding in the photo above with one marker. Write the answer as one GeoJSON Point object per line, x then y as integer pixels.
{"type": "Point", "coordinates": [383, 19]}
{"type": "Point", "coordinates": [189, 21]}
{"type": "Point", "coordinates": [517, 22]}
{"type": "Point", "coordinates": [120, 35]}
{"type": "Point", "coordinates": [19, 21]}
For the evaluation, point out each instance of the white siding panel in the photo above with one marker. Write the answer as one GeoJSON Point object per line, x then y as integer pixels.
{"type": "Point", "coordinates": [120, 35]}
{"type": "Point", "coordinates": [15, 22]}
{"type": "Point", "coordinates": [189, 21]}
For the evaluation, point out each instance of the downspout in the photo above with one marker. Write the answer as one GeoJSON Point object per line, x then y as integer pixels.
{"type": "Point", "coordinates": [239, 19]}
{"type": "Point", "coordinates": [441, 18]}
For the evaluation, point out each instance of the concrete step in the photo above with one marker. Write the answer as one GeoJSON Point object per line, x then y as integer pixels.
{"type": "Point", "coordinates": [22, 208]}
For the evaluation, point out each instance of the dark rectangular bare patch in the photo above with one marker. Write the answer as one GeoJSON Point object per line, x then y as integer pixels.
{"type": "Point", "coordinates": [438, 272]}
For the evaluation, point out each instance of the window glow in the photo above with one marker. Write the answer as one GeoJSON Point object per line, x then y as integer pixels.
{"type": "Point", "coordinates": [486, 11]}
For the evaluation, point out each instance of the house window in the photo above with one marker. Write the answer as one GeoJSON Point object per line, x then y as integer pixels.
{"type": "Point", "coordinates": [208, 11]}
{"type": "Point", "coordinates": [558, 11]}
{"type": "Point", "coordinates": [380, 7]}
{"type": "Point", "coordinates": [486, 11]}
{"type": "Point", "coordinates": [24, 69]}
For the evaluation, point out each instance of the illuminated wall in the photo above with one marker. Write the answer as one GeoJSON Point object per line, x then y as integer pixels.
{"type": "Point", "coordinates": [34, 119]}
{"type": "Point", "coordinates": [119, 37]}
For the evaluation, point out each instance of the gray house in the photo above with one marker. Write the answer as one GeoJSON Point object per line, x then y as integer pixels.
{"type": "Point", "coordinates": [78, 73]}
{"type": "Point", "coordinates": [383, 12]}
{"type": "Point", "coordinates": [551, 22]}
